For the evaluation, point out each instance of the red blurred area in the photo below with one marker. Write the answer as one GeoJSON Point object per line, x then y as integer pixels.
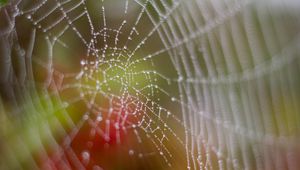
{"type": "Point", "coordinates": [103, 136]}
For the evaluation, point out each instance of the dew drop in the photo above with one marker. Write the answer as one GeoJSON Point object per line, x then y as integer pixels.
{"type": "Point", "coordinates": [131, 152]}
{"type": "Point", "coordinates": [85, 155]}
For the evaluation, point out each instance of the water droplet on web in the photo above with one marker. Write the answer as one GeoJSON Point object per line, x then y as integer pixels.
{"type": "Point", "coordinates": [86, 117]}
{"type": "Point", "coordinates": [131, 152]}
{"type": "Point", "coordinates": [85, 155]}
{"type": "Point", "coordinates": [117, 126]}
{"type": "Point", "coordinates": [180, 79]}
{"type": "Point", "coordinates": [99, 118]}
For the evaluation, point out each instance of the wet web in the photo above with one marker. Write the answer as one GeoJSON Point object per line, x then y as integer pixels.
{"type": "Point", "coordinates": [211, 77]}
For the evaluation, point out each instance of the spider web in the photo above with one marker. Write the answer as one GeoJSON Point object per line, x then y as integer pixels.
{"type": "Point", "coordinates": [211, 81]}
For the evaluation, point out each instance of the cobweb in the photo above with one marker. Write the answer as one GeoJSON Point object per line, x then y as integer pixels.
{"type": "Point", "coordinates": [177, 84]}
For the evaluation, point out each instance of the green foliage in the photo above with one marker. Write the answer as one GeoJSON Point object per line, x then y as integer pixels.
{"type": "Point", "coordinates": [3, 2]}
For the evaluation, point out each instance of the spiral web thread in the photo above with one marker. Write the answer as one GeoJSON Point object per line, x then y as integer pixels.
{"type": "Point", "coordinates": [234, 65]}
